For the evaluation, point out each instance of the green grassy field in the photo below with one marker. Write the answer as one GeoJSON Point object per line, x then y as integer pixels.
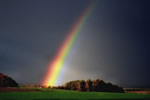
{"type": "Point", "coordinates": [54, 94]}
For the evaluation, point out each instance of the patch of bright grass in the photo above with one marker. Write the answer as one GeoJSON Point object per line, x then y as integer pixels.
{"type": "Point", "coordinates": [56, 94]}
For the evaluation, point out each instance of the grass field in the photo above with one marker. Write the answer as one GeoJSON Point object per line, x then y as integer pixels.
{"type": "Point", "coordinates": [55, 94]}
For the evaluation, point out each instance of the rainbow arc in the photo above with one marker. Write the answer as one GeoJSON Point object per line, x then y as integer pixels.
{"type": "Point", "coordinates": [57, 63]}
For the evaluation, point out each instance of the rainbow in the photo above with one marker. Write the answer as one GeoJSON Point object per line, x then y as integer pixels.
{"type": "Point", "coordinates": [57, 63]}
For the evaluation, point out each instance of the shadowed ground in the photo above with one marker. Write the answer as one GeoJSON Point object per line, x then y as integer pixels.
{"type": "Point", "coordinates": [7, 90]}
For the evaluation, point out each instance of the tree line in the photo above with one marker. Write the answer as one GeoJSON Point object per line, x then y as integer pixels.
{"type": "Point", "coordinates": [91, 85]}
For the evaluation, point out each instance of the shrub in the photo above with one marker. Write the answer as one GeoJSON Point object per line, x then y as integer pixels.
{"type": "Point", "coordinates": [6, 81]}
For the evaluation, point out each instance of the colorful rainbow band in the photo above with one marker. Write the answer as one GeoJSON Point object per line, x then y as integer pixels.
{"type": "Point", "coordinates": [57, 63]}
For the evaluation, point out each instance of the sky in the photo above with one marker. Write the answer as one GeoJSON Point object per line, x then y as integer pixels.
{"type": "Point", "coordinates": [113, 44]}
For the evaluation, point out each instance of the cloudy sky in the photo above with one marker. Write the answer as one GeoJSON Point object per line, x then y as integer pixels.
{"type": "Point", "coordinates": [113, 45]}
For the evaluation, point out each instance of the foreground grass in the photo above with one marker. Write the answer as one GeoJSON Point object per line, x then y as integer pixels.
{"type": "Point", "coordinates": [54, 94]}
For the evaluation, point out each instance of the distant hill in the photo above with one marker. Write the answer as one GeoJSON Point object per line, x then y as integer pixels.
{"type": "Point", "coordinates": [6, 81]}
{"type": "Point", "coordinates": [92, 85]}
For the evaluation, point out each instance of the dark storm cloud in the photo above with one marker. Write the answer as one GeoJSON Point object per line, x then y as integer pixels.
{"type": "Point", "coordinates": [31, 32]}
{"type": "Point", "coordinates": [113, 44]}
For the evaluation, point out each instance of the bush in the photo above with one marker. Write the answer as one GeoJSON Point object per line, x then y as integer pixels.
{"type": "Point", "coordinates": [6, 81]}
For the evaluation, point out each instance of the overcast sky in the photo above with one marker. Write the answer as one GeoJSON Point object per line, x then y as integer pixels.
{"type": "Point", "coordinates": [113, 45]}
